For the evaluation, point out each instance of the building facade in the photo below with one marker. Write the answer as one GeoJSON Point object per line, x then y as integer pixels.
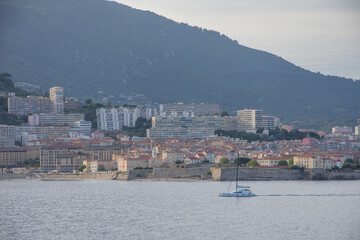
{"type": "Point", "coordinates": [29, 87]}
{"type": "Point", "coordinates": [178, 109]}
{"type": "Point", "coordinates": [250, 119]}
{"type": "Point", "coordinates": [57, 99]}
{"type": "Point", "coordinates": [7, 135]}
{"type": "Point", "coordinates": [29, 105]}
{"type": "Point", "coordinates": [54, 119]}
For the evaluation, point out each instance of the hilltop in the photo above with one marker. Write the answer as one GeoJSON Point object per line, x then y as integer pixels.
{"type": "Point", "coordinates": [96, 48]}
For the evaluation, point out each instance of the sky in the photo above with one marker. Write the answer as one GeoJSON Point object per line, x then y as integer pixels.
{"type": "Point", "coordinates": [318, 35]}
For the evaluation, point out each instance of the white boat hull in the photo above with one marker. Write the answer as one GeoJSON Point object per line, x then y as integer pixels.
{"type": "Point", "coordinates": [237, 195]}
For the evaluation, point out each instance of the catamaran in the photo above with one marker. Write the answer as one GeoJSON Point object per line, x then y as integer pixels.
{"type": "Point", "coordinates": [240, 191]}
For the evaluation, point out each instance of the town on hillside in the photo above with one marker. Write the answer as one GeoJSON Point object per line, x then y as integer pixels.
{"type": "Point", "coordinates": [53, 135]}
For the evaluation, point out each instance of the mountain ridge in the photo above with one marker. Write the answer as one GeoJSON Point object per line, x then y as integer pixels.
{"type": "Point", "coordinates": [138, 57]}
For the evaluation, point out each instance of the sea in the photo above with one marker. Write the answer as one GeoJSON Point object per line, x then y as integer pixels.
{"type": "Point", "coordinates": [93, 209]}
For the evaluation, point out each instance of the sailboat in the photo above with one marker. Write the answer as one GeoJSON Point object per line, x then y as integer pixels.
{"type": "Point", "coordinates": [240, 191]}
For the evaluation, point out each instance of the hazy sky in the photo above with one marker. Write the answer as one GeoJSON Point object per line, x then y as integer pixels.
{"type": "Point", "coordinates": [319, 35]}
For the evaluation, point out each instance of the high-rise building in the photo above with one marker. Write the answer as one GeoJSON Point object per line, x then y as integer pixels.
{"type": "Point", "coordinates": [117, 118]}
{"type": "Point", "coordinates": [250, 119]}
{"type": "Point", "coordinates": [29, 105]}
{"type": "Point", "coordinates": [57, 99]}
{"type": "Point", "coordinates": [270, 122]}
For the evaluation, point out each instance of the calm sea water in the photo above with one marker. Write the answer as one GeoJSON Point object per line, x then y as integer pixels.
{"type": "Point", "coordinates": [34, 209]}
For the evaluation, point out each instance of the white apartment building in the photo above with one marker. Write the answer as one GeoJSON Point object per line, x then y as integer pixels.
{"type": "Point", "coordinates": [179, 132]}
{"type": "Point", "coordinates": [270, 122]}
{"type": "Point", "coordinates": [250, 119]}
{"type": "Point", "coordinates": [54, 119]}
{"type": "Point", "coordinates": [147, 112]}
{"type": "Point", "coordinates": [57, 99]}
{"type": "Point", "coordinates": [116, 118]}
{"type": "Point", "coordinates": [81, 126]}
{"type": "Point", "coordinates": [28, 105]}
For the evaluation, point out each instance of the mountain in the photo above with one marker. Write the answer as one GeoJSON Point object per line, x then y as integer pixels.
{"type": "Point", "coordinates": [97, 48]}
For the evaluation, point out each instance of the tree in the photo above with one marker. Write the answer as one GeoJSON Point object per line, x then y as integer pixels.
{"type": "Point", "coordinates": [242, 161]}
{"type": "Point", "coordinates": [252, 163]}
{"type": "Point", "coordinates": [101, 168]}
{"type": "Point", "coordinates": [282, 163]}
{"type": "Point", "coordinates": [81, 168]}
{"type": "Point", "coordinates": [224, 160]}
{"type": "Point", "coordinates": [205, 161]}
{"type": "Point", "coordinates": [349, 160]}
{"type": "Point", "coordinates": [291, 161]}
{"type": "Point", "coordinates": [224, 114]}
{"type": "Point", "coordinates": [346, 165]}
{"type": "Point", "coordinates": [335, 168]}
{"type": "Point", "coordinates": [88, 101]}
{"type": "Point", "coordinates": [260, 130]}
{"type": "Point", "coordinates": [178, 162]}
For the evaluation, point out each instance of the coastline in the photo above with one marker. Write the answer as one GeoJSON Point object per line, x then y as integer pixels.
{"type": "Point", "coordinates": [197, 174]}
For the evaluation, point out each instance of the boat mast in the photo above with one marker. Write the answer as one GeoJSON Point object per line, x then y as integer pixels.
{"type": "Point", "coordinates": [237, 170]}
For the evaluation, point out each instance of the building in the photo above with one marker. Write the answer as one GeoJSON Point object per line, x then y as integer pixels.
{"type": "Point", "coordinates": [250, 119]}
{"type": "Point", "coordinates": [81, 126]}
{"type": "Point", "coordinates": [73, 104]}
{"type": "Point", "coordinates": [214, 123]}
{"type": "Point", "coordinates": [54, 131]}
{"type": "Point", "coordinates": [116, 118]}
{"type": "Point", "coordinates": [54, 119]}
{"type": "Point", "coordinates": [181, 133]}
{"type": "Point", "coordinates": [30, 136]}
{"type": "Point", "coordinates": [57, 99]}
{"type": "Point", "coordinates": [270, 122]}
{"type": "Point", "coordinates": [308, 161]}
{"type": "Point", "coordinates": [29, 105]}
{"type": "Point", "coordinates": [11, 156]}
{"type": "Point", "coordinates": [93, 165]}
{"type": "Point", "coordinates": [179, 109]}
{"type": "Point", "coordinates": [103, 152]}
{"type": "Point", "coordinates": [19, 130]}
{"type": "Point", "coordinates": [147, 112]}
{"type": "Point", "coordinates": [32, 88]}
{"type": "Point", "coordinates": [127, 163]}
{"type": "Point", "coordinates": [97, 134]}
{"type": "Point", "coordinates": [171, 157]}
{"type": "Point", "coordinates": [271, 161]}
{"type": "Point", "coordinates": [342, 130]}
{"type": "Point", "coordinates": [318, 161]}
{"type": "Point", "coordinates": [312, 143]}
{"type": "Point", "coordinates": [357, 130]}
{"type": "Point", "coordinates": [61, 158]}
{"type": "Point", "coordinates": [7, 135]}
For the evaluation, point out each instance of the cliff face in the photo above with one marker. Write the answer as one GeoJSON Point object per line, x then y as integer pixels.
{"type": "Point", "coordinates": [97, 48]}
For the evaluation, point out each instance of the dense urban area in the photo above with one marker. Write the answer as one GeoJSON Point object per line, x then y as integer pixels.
{"type": "Point", "coordinates": [50, 134]}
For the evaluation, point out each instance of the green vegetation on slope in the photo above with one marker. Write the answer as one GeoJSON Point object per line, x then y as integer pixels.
{"type": "Point", "coordinates": [275, 134]}
{"type": "Point", "coordinates": [6, 86]}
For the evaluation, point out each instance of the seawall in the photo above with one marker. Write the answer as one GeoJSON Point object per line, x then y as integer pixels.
{"type": "Point", "coordinates": [87, 176]}
{"type": "Point", "coordinates": [14, 176]}
{"type": "Point", "coordinates": [262, 174]}
{"type": "Point", "coordinates": [165, 173]}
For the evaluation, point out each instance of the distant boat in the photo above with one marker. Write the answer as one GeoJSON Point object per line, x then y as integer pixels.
{"type": "Point", "coordinates": [240, 191]}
